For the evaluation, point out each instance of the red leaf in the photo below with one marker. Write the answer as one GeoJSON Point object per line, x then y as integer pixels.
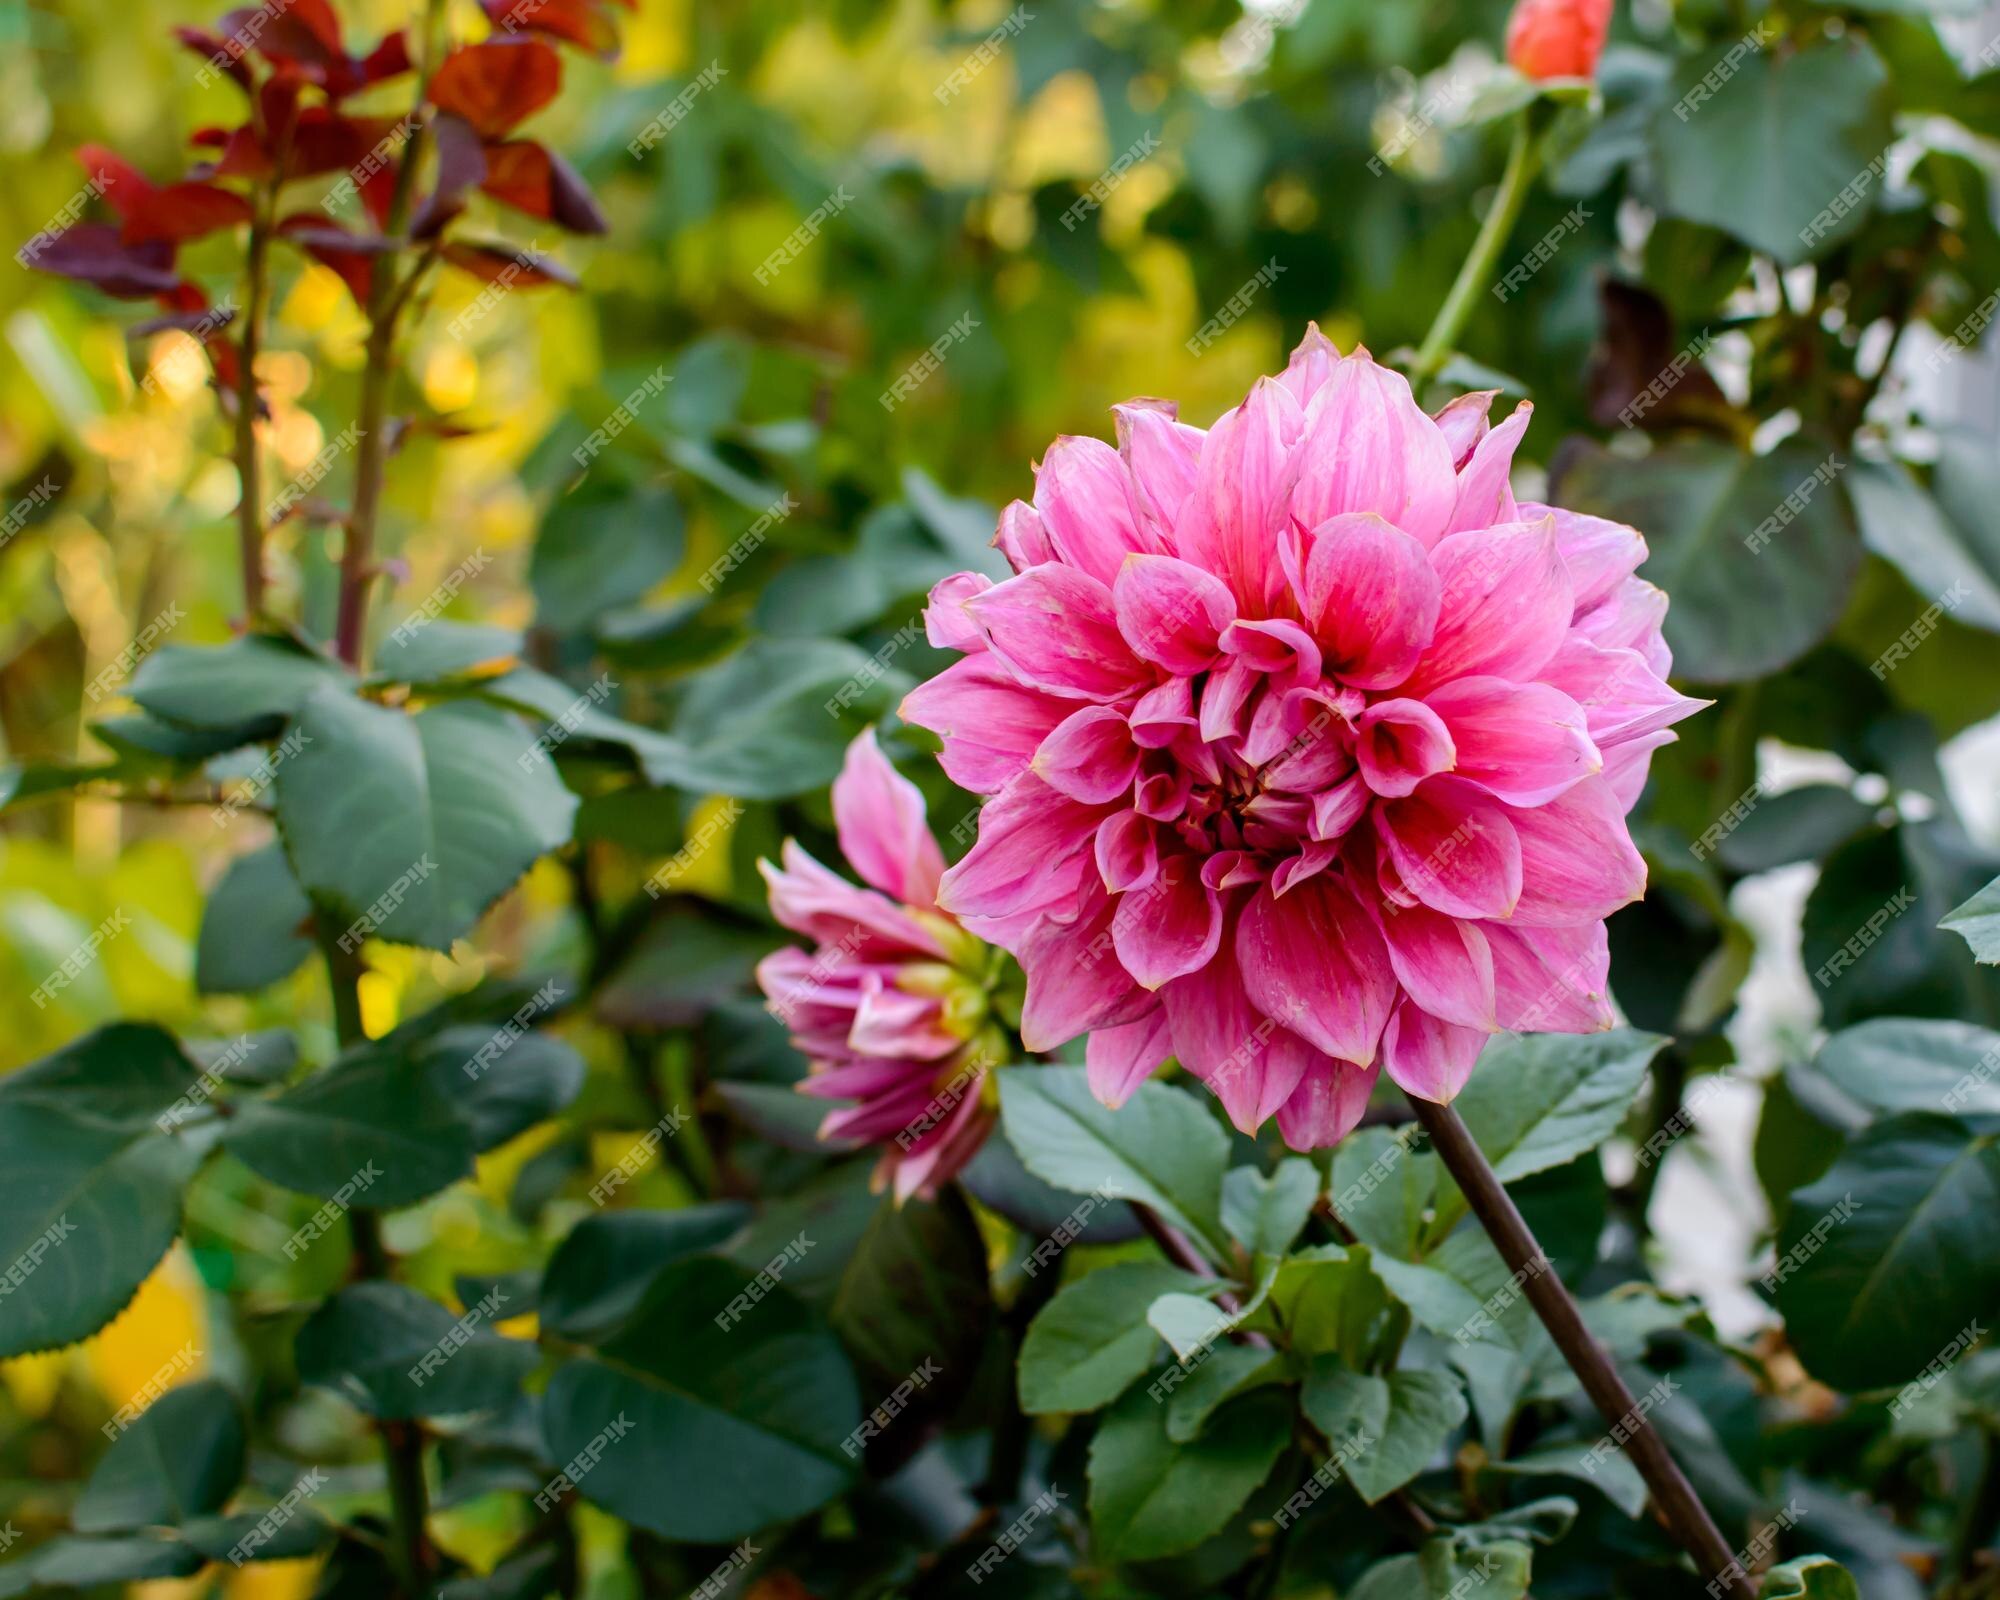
{"type": "Point", "coordinates": [351, 255]}
{"type": "Point", "coordinates": [517, 269]}
{"type": "Point", "coordinates": [92, 252]}
{"type": "Point", "coordinates": [183, 211]}
{"type": "Point", "coordinates": [582, 22]}
{"type": "Point", "coordinates": [461, 164]}
{"type": "Point", "coordinates": [302, 33]}
{"type": "Point", "coordinates": [531, 178]}
{"type": "Point", "coordinates": [121, 184]}
{"type": "Point", "coordinates": [388, 59]}
{"type": "Point", "coordinates": [220, 54]}
{"type": "Point", "coordinates": [494, 85]}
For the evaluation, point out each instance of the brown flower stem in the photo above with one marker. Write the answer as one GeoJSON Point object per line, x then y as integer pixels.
{"type": "Point", "coordinates": [402, 1442]}
{"type": "Point", "coordinates": [1679, 1506]}
{"type": "Point", "coordinates": [249, 473]}
{"type": "Point", "coordinates": [1184, 1255]}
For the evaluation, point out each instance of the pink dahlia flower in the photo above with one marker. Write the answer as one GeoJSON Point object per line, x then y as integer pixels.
{"type": "Point", "coordinates": [1308, 748]}
{"type": "Point", "coordinates": [895, 1007]}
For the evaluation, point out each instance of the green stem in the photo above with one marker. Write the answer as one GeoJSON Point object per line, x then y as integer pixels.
{"type": "Point", "coordinates": [402, 1442]}
{"type": "Point", "coordinates": [1476, 275]}
{"type": "Point", "coordinates": [249, 475]}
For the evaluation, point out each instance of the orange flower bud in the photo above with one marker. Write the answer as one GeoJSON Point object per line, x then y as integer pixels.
{"type": "Point", "coordinates": [1557, 38]}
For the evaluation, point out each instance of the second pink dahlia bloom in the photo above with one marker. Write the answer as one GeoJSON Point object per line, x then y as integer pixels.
{"type": "Point", "coordinates": [899, 1009]}
{"type": "Point", "coordinates": [1308, 748]}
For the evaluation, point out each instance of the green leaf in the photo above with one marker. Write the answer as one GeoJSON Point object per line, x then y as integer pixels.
{"type": "Point", "coordinates": [429, 651]}
{"type": "Point", "coordinates": [181, 1458]}
{"type": "Point", "coordinates": [247, 687]}
{"type": "Point", "coordinates": [1225, 1372]}
{"type": "Point", "coordinates": [1541, 1100]}
{"type": "Point", "coordinates": [1817, 117]}
{"type": "Point", "coordinates": [396, 1354]}
{"type": "Point", "coordinates": [1328, 1298]}
{"type": "Point", "coordinates": [1898, 1064]}
{"type": "Point", "coordinates": [914, 1296]}
{"type": "Point", "coordinates": [1406, 1420]}
{"type": "Point", "coordinates": [1737, 612]}
{"type": "Point", "coordinates": [502, 1082]}
{"type": "Point", "coordinates": [1613, 1475]}
{"type": "Point", "coordinates": [250, 926]}
{"type": "Point", "coordinates": [1265, 1214]}
{"type": "Point", "coordinates": [600, 550]}
{"type": "Point", "coordinates": [371, 1126]}
{"type": "Point", "coordinates": [709, 1432]}
{"type": "Point", "coordinates": [87, 1209]}
{"type": "Point", "coordinates": [302, 1534]}
{"type": "Point", "coordinates": [1809, 1578]}
{"type": "Point", "coordinates": [1884, 1261]}
{"type": "Point", "coordinates": [1088, 1344]}
{"type": "Point", "coordinates": [1978, 921]}
{"type": "Point", "coordinates": [1151, 1497]}
{"type": "Point", "coordinates": [1801, 824]}
{"type": "Point", "coordinates": [1161, 1148]}
{"type": "Point", "coordinates": [1904, 525]}
{"type": "Point", "coordinates": [1381, 1184]}
{"type": "Point", "coordinates": [123, 1076]}
{"type": "Point", "coordinates": [408, 827]}
{"type": "Point", "coordinates": [71, 1563]}
{"type": "Point", "coordinates": [775, 719]}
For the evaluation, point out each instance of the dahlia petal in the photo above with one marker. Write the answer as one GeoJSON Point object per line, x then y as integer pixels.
{"type": "Point", "coordinates": [1232, 869]}
{"type": "Point", "coordinates": [1622, 697]}
{"type": "Point", "coordinates": [1599, 554]}
{"type": "Point", "coordinates": [1274, 728]}
{"type": "Point", "coordinates": [1371, 448]}
{"type": "Point", "coordinates": [889, 1022]}
{"type": "Point", "coordinates": [1023, 538]}
{"type": "Point", "coordinates": [1312, 363]}
{"type": "Point", "coordinates": [1163, 457]}
{"type": "Point", "coordinates": [1159, 714]}
{"type": "Point", "coordinates": [939, 1154]}
{"type": "Point", "coordinates": [1484, 497]}
{"type": "Point", "coordinates": [1075, 979]}
{"type": "Point", "coordinates": [869, 1080]}
{"type": "Point", "coordinates": [1399, 743]}
{"type": "Point", "coordinates": [1370, 597]}
{"type": "Point", "coordinates": [1454, 848]}
{"type": "Point", "coordinates": [1442, 963]}
{"type": "Point", "coordinates": [1553, 980]}
{"type": "Point", "coordinates": [1313, 959]}
{"type": "Point", "coordinates": [1127, 851]}
{"type": "Point", "coordinates": [1164, 795]}
{"type": "Point", "coordinates": [1056, 628]}
{"type": "Point", "coordinates": [1523, 742]}
{"type": "Point", "coordinates": [1224, 695]}
{"type": "Point", "coordinates": [1428, 1058]}
{"type": "Point", "coordinates": [1230, 523]}
{"type": "Point", "coordinates": [1327, 1105]}
{"type": "Point", "coordinates": [1504, 605]}
{"type": "Point", "coordinates": [879, 815]}
{"type": "Point", "coordinates": [1629, 618]}
{"type": "Point", "coordinates": [1278, 647]}
{"type": "Point", "coordinates": [1090, 756]}
{"type": "Point", "coordinates": [1464, 421]}
{"type": "Point", "coordinates": [1084, 496]}
{"type": "Point", "coordinates": [1025, 832]}
{"type": "Point", "coordinates": [1578, 863]}
{"type": "Point", "coordinates": [1319, 754]}
{"type": "Point", "coordinates": [1117, 1060]}
{"type": "Point", "coordinates": [1313, 859]}
{"type": "Point", "coordinates": [1171, 612]}
{"type": "Point", "coordinates": [1171, 927]}
{"type": "Point", "coordinates": [947, 624]}
{"type": "Point", "coordinates": [990, 722]}
{"type": "Point", "coordinates": [1627, 764]}
{"type": "Point", "coordinates": [1248, 1061]}
{"type": "Point", "coordinates": [1337, 809]}
{"type": "Point", "coordinates": [829, 910]}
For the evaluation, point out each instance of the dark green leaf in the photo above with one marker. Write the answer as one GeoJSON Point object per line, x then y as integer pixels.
{"type": "Point", "coordinates": [1089, 1343]}
{"type": "Point", "coordinates": [1265, 1214]}
{"type": "Point", "coordinates": [599, 1275]}
{"type": "Point", "coordinates": [251, 926]}
{"type": "Point", "coordinates": [1150, 1497]}
{"type": "Point", "coordinates": [1405, 1421]}
{"type": "Point", "coordinates": [597, 551]}
{"type": "Point", "coordinates": [1978, 921]}
{"type": "Point", "coordinates": [247, 687]}
{"type": "Point", "coordinates": [1892, 1064]}
{"type": "Point", "coordinates": [396, 1354]}
{"type": "Point", "coordinates": [181, 1458]}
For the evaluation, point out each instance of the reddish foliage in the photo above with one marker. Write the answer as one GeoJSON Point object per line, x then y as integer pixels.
{"type": "Point", "coordinates": [580, 22]}
{"type": "Point", "coordinates": [495, 85]}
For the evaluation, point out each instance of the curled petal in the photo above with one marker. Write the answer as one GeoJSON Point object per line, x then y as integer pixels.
{"type": "Point", "coordinates": [1023, 538]}
{"type": "Point", "coordinates": [1084, 496]}
{"type": "Point", "coordinates": [1162, 457]}
{"type": "Point", "coordinates": [1443, 963]}
{"type": "Point", "coordinates": [947, 624]}
{"type": "Point", "coordinates": [1328, 1103]}
{"type": "Point", "coordinates": [1553, 980]}
{"type": "Point", "coordinates": [1128, 852]}
{"type": "Point", "coordinates": [1504, 605]}
{"type": "Point", "coordinates": [1399, 743]}
{"type": "Point", "coordinates": [1484, 497]}
{"type": "Point", "coordinates": [1075, 980]}
{"type": "Point", "coordinates": [1117, 1060]}
{"type": "Point", "coordinates": [1026, 833]}
{"type": "Point", "coordinates": [1171, 927]}
{"type": "Point", "coordinates": [829, 910]}
{"type": "Point", "coordinates": [1463, 420]}
{"type": "Point", "coordinates": [1312, 363]}
{"type": "Point", "coordinates": [1578, 863]}
{"type": "Point", "coordinates": [1621, 696]}
{"type": "Point", "coordinates": [1090, 756]}
{"type": "Point", "coordinates": [1598, 555]}
{"type": "Point", "coordinates": [1251, 1062]}
{"type": "Point", "coordinates": [1230, 524]}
